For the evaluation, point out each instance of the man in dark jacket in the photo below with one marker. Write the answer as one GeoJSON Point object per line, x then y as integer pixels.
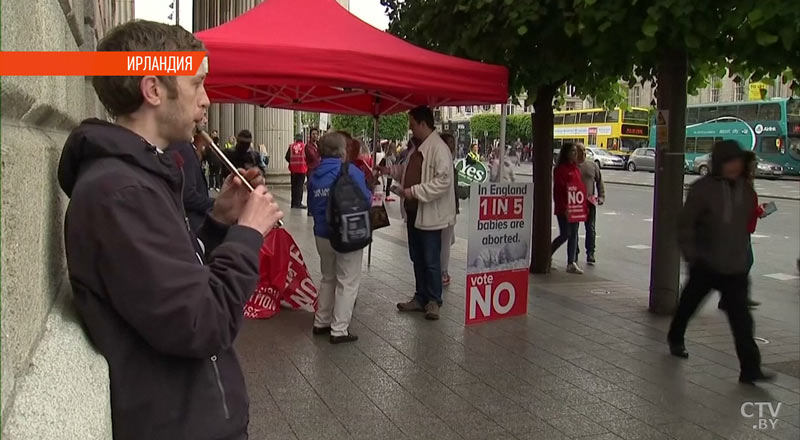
{"type": "Point", "coordinates": [162, 305]}
{"type": "Point", "coordinates": [714, 239]}
{"type": "Point", "coordinates": [242, 154]}
{"type": "Point", "coordinates": [196, 200]}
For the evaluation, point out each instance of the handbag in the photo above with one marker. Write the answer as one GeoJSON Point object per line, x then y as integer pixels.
{"type": "Point", "coordinates": [378, 217]}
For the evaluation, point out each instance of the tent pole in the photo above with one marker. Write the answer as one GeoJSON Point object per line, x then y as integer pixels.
{"type": "Point", "coordinates": [503, 112]}
{"type": "Point", "coordinates": [375, 143]}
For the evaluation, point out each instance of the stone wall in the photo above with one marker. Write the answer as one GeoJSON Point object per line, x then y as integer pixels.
{"type": "Point", "coordinates": [54, 384]}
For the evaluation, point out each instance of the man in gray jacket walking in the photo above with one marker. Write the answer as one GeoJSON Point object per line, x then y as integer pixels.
{"type": "Point", "coordinates": [713, 237]}
{"type": "Point", "coordinates": [592, 178]}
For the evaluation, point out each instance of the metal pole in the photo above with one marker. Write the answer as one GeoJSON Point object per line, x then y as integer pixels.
{"type": "Point", "coordinates": [375, 143]}
{"type": "Point", "coordinates": [502, 141]}
{"type": "Point", "coordinates": [177, 12]}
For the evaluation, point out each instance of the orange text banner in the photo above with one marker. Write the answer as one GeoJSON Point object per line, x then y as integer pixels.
{"type": "Point", "coordinates": [99, 63]}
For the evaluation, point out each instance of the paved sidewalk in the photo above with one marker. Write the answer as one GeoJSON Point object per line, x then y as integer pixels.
{"type": "Point", "coordinates": [587, 362]}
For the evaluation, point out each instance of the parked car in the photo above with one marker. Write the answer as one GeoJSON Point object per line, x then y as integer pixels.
{"type": "Point", "coordinates": [764, 168]}
{"type": "Point", "coordinates": [642, 159]}
{"type": "Point", "coordinates": [604, 159]}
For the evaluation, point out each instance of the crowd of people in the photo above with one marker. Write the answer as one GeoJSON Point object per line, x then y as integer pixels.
{"type": "Point", "coordinates": [161, 273]}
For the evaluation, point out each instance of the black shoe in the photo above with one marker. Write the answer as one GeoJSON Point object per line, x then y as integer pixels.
{"type": "Point", "coordinates": [590, 258]}
{"type": "Point", "coordinates": [349, 337]}
{"type": "Point", "coordinates": [751, 303]}
{"type": "Point", "coordinates": [309, 213]}
{"type": "Point", "coordinates": [321, 330]}
{"type": "Point", "coordinates": [760, 377]}
{"type": "Point", "coordinates": [296, 206]}
{"type": "Point", "coordinates": [302, 206]}
{"type": "Point", "coordinates": [678, 350]}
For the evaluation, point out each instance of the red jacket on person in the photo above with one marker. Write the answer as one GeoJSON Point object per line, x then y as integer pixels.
{"type": "Point", "coordinates": [312, 156]}
{"type": "Point", "coordinates": [758, 211]}
{"type": "Point", "coordinates": [564, 176]}
{"type": "Point", "coordinates": [297, 158]}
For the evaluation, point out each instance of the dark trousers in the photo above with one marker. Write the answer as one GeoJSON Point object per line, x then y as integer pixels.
{"type": "Point", "coordinates": [388, 185]}
{"type": "Point", "coordinates": [734, 293]}
{"type": "Point", "coordinates": [297, 189]}
{"type": "Point", "coordinates": [214, 178]}
{"type": "Point", "coordinates": [568, 232]}
{"type": "Point", "coordinates": [425, 249]}
{"type": "Point", "coordinates": [591, 232]}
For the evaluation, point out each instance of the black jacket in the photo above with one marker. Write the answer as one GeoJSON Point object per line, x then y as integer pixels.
{"type": "Point", "coordinates": [163, 311]}
{"type": "Point", "coordinates": [196, 201]}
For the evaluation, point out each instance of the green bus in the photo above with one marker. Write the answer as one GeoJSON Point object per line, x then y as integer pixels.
{"type": "Point", "coordinates": [770, 128]}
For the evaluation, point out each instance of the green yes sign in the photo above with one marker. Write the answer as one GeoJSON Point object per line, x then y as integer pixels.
{"type": "Point", "coordinates": [469, 174]}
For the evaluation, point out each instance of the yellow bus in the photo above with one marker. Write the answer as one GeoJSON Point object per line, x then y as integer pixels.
{"type": "Point", "coordinates": [620, 132]}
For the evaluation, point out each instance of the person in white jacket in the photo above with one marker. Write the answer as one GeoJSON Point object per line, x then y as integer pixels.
{"type": "Point", "coordinates": [429, 203]}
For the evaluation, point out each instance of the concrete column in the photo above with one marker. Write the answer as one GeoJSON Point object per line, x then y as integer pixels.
{"type": "Point", "coordinates": [243, 117]}
{"type": "Point", "coordinates": [226, 121]}
{"type": "Point", "coordinates": [213, 117]}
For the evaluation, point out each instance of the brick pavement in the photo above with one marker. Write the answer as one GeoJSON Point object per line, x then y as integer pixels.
{"type": "Point", "coordinates": [587, 362]}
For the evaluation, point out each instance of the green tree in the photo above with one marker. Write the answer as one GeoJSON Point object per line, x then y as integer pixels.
{"type": "Point", "coordinates": [392, 127]}
{"type": "Point", "coordinates": [590, 45]}
{"type": "Point", "coordinates": [539, 43]}
{"type": "Point", "coordinates": [485, 125]}
{"type": "Point", "coordinates": [681, 45]}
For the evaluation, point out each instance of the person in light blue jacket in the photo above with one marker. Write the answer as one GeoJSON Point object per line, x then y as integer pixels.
{"type": "Point", "coordinates": [341, 272]}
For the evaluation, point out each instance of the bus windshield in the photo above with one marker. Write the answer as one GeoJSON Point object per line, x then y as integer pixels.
{"type": "Point", "coordinates": [793, 107]}
{"type": "Point", "coordinates": [636, 116]}
{"type": "Point", "coordinates": [794, 147]}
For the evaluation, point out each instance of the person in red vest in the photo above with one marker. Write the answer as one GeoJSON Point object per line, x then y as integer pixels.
{"type": "Point", "coordinates": [569, 197]}
{"type": "Point", "coordinates": [298, 167]}
{"type": "Point", "coordinates": [312, 156]}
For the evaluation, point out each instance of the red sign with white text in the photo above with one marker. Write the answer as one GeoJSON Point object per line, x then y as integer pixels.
{"type": "Point", "coordinates": [576, 205]}
{"type": "Point", "coordinates": [496, 295]}
{"type": "Point", "coordinates": [501, 208]}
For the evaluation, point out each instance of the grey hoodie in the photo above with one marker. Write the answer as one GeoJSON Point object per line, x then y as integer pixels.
{"type": "Point", "coordinates": [712, 226]}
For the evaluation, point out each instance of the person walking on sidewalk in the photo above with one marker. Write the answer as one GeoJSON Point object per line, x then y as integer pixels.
{"type": "Point", "coordinates": [714, 239]}
{"type": "Point", "coordinates": [298, 168]}
{"type": "Point", "coordinates": [448, 233]}
{"type": "Point", "coordinates": [595, 196]}
{"type": "Point", "coordinates": [389, 160]}
{"type": "Point", "coordinates": [341, 272]}
{"type": "Point", "coordinates": [426, 176]}
{"type": "Point", "coordinates": [161, 304]}
{"type": "Point", "coordinates": [566, 180]}
{"type": "Point", "coordinates": [751, 162]}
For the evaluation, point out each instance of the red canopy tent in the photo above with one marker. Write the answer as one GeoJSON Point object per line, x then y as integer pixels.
{"type": "Point", "coordinates": [313, 55]}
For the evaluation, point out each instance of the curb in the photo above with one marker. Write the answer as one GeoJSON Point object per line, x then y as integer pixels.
{"type": "Point", "coordinates": [685, 187]}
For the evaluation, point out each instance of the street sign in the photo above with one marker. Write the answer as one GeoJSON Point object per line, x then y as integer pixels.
{"type": "Point", "coordinates": [662, 129]}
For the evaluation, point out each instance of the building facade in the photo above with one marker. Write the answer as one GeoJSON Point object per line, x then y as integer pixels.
{"type": "Point", "coordinates": [54, 384]}
{"type": "Point", "coordinates": [271, 127]}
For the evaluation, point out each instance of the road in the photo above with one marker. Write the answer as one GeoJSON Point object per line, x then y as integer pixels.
{"type": "Point", "coordinates": [785, 187]}
{"type": "Point", "coordinates": [624, 226]}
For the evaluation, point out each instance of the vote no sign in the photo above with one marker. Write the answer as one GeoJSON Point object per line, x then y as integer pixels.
{"type": "Point", "coordinates": [498, 251]}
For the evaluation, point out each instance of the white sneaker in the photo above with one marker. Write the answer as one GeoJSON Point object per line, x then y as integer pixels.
{"type": "Point", "coordinates": [574, 268]}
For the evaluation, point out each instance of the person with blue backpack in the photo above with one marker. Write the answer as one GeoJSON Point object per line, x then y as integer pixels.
{"type": "Point", "coordinates": [339, 203]}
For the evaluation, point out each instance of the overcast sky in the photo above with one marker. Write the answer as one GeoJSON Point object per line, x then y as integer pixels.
{"type": "Point", "coordinates": [370, 11]}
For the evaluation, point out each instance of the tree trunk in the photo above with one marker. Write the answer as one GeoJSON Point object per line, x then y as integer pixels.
{"type": "Point", "coordinates": [668, 192]}
{"type": "Point", "coordinates": [542, 177]}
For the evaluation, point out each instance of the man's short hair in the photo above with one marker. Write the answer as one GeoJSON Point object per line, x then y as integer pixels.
{"type": "Point", "coordinates": [214, 131]}
{"type": "Point", "coordinates": [422, 114]}
{"type": "Point", "coordinates": [313, 129]}
{"type": "Point", "coordinates": [244, 136]}
{"type": "Point", "coordinates": [333, 145]}
{"type": "Point", "coordinates": [122, 95]}
{"type": "Point", "coordinates": [298, 137]}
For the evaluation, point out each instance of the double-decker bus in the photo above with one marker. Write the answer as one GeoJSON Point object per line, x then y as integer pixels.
{"type": "Point", "coordinates": [618, 131]}
{"type": "Point", "coordinates": [770, 128]}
